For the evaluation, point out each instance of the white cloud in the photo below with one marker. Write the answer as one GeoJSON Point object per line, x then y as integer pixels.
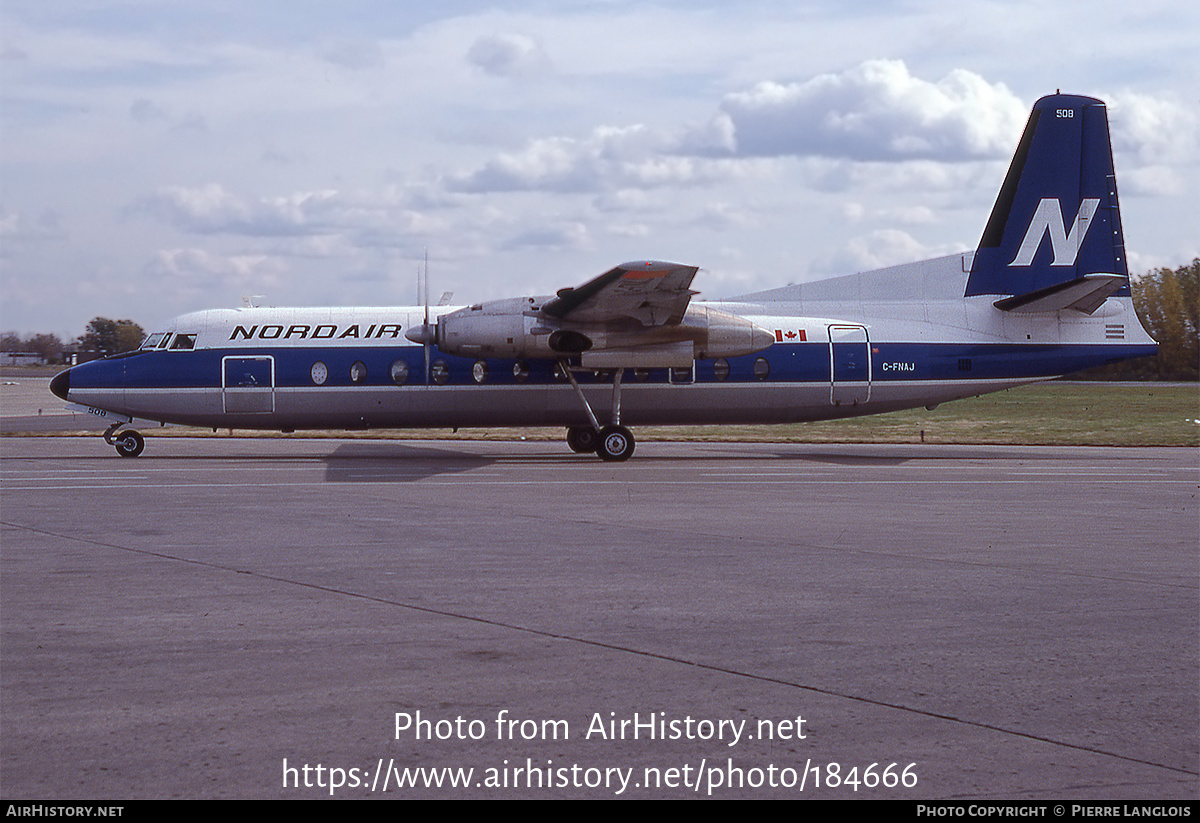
{"type": "Point", "coordinates": [722, 217]}
{"type": "Point", "coordinates": [569, 235]}
{"type": "Point", "coordinates": [211, 209]}
{"type": "Point", "coordinates": [874, 111]}
{"type": "Point", "coordinates": [200, 268]}
{"type": "Point", "coordinates": [854, 211]}
{"type": "Point", "coordinates": [610, 158]}
{"type": "Point", "coordinates": [917, 215]}
{"type": "Point", "coordinates": [1154, 140]}
{"type": "Point", "coordinates": [144, 110]}
{"type": "Point", "coordinates": [508, 55]}
{"type": "Point", "coordinates": [356, 55]}
{"type": "Point", "coordinates": [1155, 130]}
{"type": "Point", "coordinates": [884, 247]}
{"type": "Point", "coordinates": [20, 234]}
{"type": "Point", "coordinates": [1153, 181]}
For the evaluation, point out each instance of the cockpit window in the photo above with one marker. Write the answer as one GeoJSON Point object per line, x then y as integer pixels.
{"type": "Point", "coordinates": [184, 341]}
{"type": "Point", "coordinates": [153, 340]}
{"type": "Point", "coordinates": [166, 339]}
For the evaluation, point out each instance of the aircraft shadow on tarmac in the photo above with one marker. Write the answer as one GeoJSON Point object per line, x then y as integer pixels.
{"type": "Point", "coordinates": [392, 461]}
{"type": "Point", "coordinates": [381, 462]}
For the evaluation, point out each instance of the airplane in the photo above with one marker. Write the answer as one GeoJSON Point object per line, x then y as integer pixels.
{"type": "Point", "coordinates": [1045, 293]}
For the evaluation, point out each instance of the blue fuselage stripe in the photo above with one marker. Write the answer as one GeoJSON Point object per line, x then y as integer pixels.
{"type": "Point", "coordinates": [788, 363]}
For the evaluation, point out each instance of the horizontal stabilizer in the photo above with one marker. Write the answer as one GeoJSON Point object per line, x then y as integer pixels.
{"type": "Point", "coordinates": [1085, 294]}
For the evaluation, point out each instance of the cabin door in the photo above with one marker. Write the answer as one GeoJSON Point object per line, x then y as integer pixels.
{"type": "Point", "coordinates": [248, 384]}
{"type": "Point", "coordinates": [849, 365]}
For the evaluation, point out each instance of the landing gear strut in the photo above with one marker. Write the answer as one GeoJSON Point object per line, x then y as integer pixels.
{"type": "Point", "coordinates": [612, 443]}
{"type": "Point", "coordinates": [129, 443]}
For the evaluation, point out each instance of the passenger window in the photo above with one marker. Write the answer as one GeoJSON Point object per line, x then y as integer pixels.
{"type": "Point", "coordinates": [400, 372]}
{"type": "Point", "coordinates": [319, 373]}
{"type": "Point", "coordinates": [520, 371]}
{"type": "Point", "coordinates": [184, 342]}
{"type": "Point", "coordinates": [762, 369]}
{"type": "Point", "coordinates": [358, 372]}
{"type": "Point", "coordinates": [721, 368]}
{"type": "Point", "coordinates": [479, 371]}
{"type": "Point", "coordinates": [440, 372]}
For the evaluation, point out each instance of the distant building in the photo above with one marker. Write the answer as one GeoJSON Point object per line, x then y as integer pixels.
{"type": "Point", "coordinates": [21, 358]}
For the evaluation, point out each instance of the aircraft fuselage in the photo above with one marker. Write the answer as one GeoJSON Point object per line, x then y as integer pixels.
{"type": "Point", "coordinates": [353, 368]}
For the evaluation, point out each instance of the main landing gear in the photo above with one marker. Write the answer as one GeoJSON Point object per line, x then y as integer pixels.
{"type": "Point", "coordinates": [616, 444]}
{"type": "Point", "coordinates": [612, 443]}
{"type": "Point", "coordinates": [582, 439]}
{"type": "Point", "coordinates": [129, 443]}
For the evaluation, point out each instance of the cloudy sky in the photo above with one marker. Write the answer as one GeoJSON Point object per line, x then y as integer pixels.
{"type": "Point", "coordinates": [159, 157]}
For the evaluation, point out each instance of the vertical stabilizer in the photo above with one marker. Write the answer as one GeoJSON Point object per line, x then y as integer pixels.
{"type": "Point", "coordinates": [1056, 226]}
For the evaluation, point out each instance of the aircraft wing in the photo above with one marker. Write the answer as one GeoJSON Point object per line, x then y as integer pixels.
{"type": "Point", "coordinates": [650, 292]}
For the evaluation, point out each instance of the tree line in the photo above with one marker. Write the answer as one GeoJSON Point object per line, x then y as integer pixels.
{"type": "Point", "coordinates": [1168, 303]}
{"type": "Point", "coordinates": [1166, 300]}
{"type": "Point", "coordinates": [102, 338]}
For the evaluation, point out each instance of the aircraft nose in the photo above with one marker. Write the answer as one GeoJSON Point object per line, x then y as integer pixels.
{"type": "Point", "coordinates": [61, 384]}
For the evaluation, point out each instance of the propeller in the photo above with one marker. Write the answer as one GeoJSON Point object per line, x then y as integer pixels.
{"type": "Point", "coordinates": [425, 334]}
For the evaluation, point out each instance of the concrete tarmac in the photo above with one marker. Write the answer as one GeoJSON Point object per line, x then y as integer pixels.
{"type": "Point", "coordinates": [314, 618]}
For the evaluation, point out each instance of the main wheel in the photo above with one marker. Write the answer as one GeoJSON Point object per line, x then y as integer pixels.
{"type": "Point", "coordinates": [582, 439]}
{"type": "Point", "coordinates": [616, 444]}
{"type": "Point", "coordinates": [129, 444]}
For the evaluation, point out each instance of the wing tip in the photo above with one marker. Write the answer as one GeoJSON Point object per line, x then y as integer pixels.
{"type": "Point", "coordinates": [654, 268]}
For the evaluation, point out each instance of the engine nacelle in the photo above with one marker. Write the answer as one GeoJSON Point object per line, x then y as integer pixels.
{"type": "Point", "coordinates": [724, 334]}
{"type": "Point", "coordinates": [502, 328]}
{"type": "Point", "coordinates": [515, 328]}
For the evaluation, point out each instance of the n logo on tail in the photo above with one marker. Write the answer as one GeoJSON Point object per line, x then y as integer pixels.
{"type": "Point", "coordinates": [1048, 218]}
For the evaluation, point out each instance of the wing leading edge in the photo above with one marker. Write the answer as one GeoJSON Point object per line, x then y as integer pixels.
{"type": "Point", "coordinates": [650, 292]}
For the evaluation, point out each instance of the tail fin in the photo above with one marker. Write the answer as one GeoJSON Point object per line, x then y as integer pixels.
{"type": "Point", "coordinates": [1061, 183]}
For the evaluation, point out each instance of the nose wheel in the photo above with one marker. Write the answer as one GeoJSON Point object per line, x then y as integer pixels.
{"type": "Point", "coordinates": [128, 443]}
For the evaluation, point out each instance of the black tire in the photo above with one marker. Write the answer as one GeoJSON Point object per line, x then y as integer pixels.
{"type": "Point", "coordinates": [615, 444]}
{"type": "Point", "coordinates": [582, 439]}
{"type": "Point", "coordinates": [129, 444]}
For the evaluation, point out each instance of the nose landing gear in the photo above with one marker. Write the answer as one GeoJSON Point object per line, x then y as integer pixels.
{"type": "Point", "coordinates": [128, 443]}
